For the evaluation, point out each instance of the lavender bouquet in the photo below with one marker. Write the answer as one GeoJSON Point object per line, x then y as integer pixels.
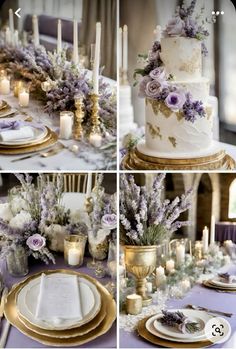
{"type": "Point", "coordinates": [180, 321]}
{"type": "Point", "coordinates": [147, 219]}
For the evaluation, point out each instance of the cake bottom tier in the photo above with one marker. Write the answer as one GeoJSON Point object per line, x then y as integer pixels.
{"type": "Point", "coordinates": [168, 132]}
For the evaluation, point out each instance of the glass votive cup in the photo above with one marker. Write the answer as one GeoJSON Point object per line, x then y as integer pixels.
{"type": "Point", "coordinates": [198, 250]}
{"type": "Point", "coordinates": [74, 246]}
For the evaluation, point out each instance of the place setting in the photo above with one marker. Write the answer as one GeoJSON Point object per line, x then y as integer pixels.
{"type": "Point", "coordinates": [72, 301]}
{"type": "Point", "coordinates": [167, 278]}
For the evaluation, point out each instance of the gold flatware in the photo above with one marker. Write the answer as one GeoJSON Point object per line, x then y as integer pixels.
{"type": "Point", "coordinates": [3, 300]}
{"type": "Point", "coordinates": [55, 150]}
{"type": "Point", "coordinates": [4, 335]}
{"type": "Point", "coordinates": [196, 307]}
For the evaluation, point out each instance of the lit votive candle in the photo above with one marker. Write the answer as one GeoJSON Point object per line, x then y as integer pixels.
{"type": "Point", "coordinates": [4, 85]}
{"type": "Point", "coordinates": [160, 276]}
{"type": "Point", "coordinates": [96, 140]}
{"type": "Point", "coordinates": [170, 266]}
{"type": "Point", "coordinates": [66, 124]}
{"type": "Point", "coordinates": [74, 246]}
{"type": "Point", "coordinates": [74, 256]}
{"type": "Point", "coordinates": [23, 98]}
{"type": "Point", "coordinates": [133, 304]}
{"type": "Point", "coordinates": [198, 247]}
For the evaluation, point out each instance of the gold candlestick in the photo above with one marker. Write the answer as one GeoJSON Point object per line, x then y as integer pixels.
{"type": "Point", "coordinates": [95, 115]}
{"type": "Point", "coordinates": [88, 205]}
{"type": "Point", "coordinates": [79, 116]}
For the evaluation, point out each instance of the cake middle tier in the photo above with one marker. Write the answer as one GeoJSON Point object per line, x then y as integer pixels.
{"type": "Point", "coordinates": [168, 131]}
{"type": "Point", "coordinates": [199, 88]}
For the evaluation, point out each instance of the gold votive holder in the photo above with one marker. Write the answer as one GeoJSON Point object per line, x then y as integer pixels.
{"type": "Point", "coordinates": [198, 250]}
{"type": "Point", "coordinates": [133, 304]}
{"type": "Point", "coordinates": [18, 84]}
{"type": "Point", "coordinates": [74, 246]}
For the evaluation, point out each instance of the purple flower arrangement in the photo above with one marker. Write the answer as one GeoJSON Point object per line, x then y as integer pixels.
{"type": "Point", "coordinates": [147, 219]}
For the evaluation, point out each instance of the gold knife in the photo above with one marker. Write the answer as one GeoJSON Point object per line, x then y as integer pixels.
{"type": "Point", "coordinates": [3, 301]}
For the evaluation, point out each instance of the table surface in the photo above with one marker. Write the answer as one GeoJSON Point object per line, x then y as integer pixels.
{"type": "Point", "coordinates": [18, 340]}
{"type": "Point", "coordinates": [201, 296]}
{"type": "Point", "coordinates": [88, 157]}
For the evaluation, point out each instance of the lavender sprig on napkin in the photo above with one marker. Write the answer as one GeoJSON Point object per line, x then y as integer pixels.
{"type": "Point", "coordinates": [180, 321]}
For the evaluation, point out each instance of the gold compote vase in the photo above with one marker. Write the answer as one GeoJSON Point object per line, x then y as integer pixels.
{"type": "Point", "coordinates": [141, 262]}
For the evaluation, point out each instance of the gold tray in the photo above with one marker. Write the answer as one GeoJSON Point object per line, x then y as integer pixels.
{"type": "Point", "coordinates": [135, 160]}
{"type": "Point", "coordinates": [11, 315]}
{"type": "Point", "coordinates": [143, 332]}
{"type": "Point", "coordinates": [208, 284]}
{"type": "Point", "coordinates": [51, 139]}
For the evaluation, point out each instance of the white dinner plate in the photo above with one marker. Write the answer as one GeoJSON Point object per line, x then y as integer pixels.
{"type": "Point", "coordinates": [217, 281]}
{"type": "Point", "coordinates": [73, 201]}
{"type": "Point", "coordinates": [39, 133]}
{"type": "Point", "coordinates": [173, 334]}
{"type": "Point", "coordinates": [27, 302]}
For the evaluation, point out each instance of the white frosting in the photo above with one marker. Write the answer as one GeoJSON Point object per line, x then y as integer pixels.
{"type": "Point", "coordinates": [199, 89]}
{"type": "Point", "coordinates": [182, 57]}
{"type": "Point", "coordinates": [126, 112]}
{"type": "Point", "coordinates": [175, 135]}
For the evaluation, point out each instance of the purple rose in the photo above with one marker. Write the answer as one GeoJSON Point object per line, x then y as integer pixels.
{"type": "Point", "coordinates": [36, 242]}
{"type": "Point", "coordinates": [153, 56]}
{"type": "Point", "coordinates": [153, 89]}
{"type": "Point", "coordinates": [142, 86]}
{"type": "Point", "coordinates": [175, 27]}
{"type": "Point", "coordinates": [175, 100]}
{"type": "Point", "coordinates": [158, 74]}
{"type": "Point", "coordinates": [109, 221]}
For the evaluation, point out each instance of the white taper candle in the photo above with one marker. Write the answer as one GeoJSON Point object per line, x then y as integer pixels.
{"type": "Point", "coordinates": [35, 30]}
{"type": "Point", "coordinates": [59, 44]}
{"type": "Point", "coordinates": [125, 48]}
{"type": "Point", "coordinates": [89, 186]}
{"type": "Point", "coordinates": [213, 222]}
{"type": "Point", "coordinates": [97, 59]}
{"type": "Point", "coordinates": [75, 43]}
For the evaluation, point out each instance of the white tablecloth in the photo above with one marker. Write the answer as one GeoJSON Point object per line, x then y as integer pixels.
{"type": "Point", "coordinates": [88, 157]}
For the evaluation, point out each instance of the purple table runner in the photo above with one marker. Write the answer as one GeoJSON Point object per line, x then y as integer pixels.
{"type": "Point", "coordinates": [18, 340]}
{"type": "Point", "coordinates": [225, 231]}
{"type": "Point", "coordinates": [198, 295]}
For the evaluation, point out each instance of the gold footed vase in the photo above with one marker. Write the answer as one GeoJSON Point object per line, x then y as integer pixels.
{"type": "Point", "coordinates": [141, 262]}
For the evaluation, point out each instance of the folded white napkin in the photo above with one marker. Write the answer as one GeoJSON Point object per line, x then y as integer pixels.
{"type": "Point", "coordinates": [59, 299]}
{"type": "Point", "coordinates": [12, 135]}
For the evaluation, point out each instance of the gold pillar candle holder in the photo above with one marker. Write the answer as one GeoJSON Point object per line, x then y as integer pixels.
{"type": "Point", "coordinates": [74, 246]}
{"type": "Point", "coordinates": [79, 116]}
{"type": "Point", "coordinates": [95, 114]}
{"type": "Point", "coordinates": [133, 304]}
{"type": "Point", "coordinates": [88, 205]}
{"type": "Point", "coordinates": [141, 262]}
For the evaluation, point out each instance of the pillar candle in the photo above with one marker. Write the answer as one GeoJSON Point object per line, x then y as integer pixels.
{"type": "Point", "coordinates": [66, 125]}
{"type": "Point", "coordinates": [120, 48]}
{"type": "Point", "coordinates": [149, 287]}
{"type": "Point", "coordinates": [35, 30]}
{"type": "Point", "coordinates": [16, 38]}
{"type": "Point", "coordinates": [8, 36]}
{"type": "Point", "coordinates": [125, 48]}
{"type": "Point", "coordinates": [23, 98]}
{"type": "Point", "coordinates": [97, 59]}
{"type": "Point", "coordinates": [205, 239]}
{"type": "Point", "coordinates": [212, 237]}
{"type": "Point", "coordinates": [25, 38]}
{"type": "Point", "coordinates": [157, 33]}
{"type": "Point", "coordinates": [170, 265]}
{"type": "Point", "coordinates": [180, 254]}
{"type": "Point", "coordinates": [75, 42]}
{"type": "Point", "coordinates": [89, 186]}
{"type": "Point", "coordinates": [11, 22]}
{"type": "Point", "coordinates": [96, 140]}
{"type": "Point", "coordinates": [74, 256]}
{"type": "Point", "coordinates": [59, 44]}
{"type": "Point", "coordinates": [4, 86]}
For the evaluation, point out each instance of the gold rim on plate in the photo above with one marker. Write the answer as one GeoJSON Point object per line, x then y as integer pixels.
{"type": "Point", "coordinates": [33, 142]}
{"type": "Point", "coordinates": [3, 105]}
{"type": "Point", "coordinates": [51, 139]}
{"type": "Point", "coordinates": [11, 315]}
{"type": "Point", "coordinates": [143, 332]}
{"type": "Point", "coordinates": [208, 284]}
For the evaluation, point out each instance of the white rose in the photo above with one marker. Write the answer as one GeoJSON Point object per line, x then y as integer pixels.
{"type": "Point", "coordinates": [80, 216]}
{"type": "Point", "coordinates": [56, 234]}
{"type": "Point", "coordinates": [100, 237]}
{"type": "Point", "coordinates": [5, 212]}
{"type": "Point", "coordinates": [20, 220]}
{"type": "Point", "coordinates": [18, 204]}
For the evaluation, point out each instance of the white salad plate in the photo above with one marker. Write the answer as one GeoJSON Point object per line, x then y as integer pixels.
{"type": "Point", "coordinates": [39, 133]}
{"type": "Point", "coordinates": [172, 333]}
{"type": "Point", "coordinates": [27, 299]}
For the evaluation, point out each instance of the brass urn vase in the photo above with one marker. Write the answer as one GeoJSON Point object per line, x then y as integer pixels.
{"type": "Point", "coordinates": [141, 262]}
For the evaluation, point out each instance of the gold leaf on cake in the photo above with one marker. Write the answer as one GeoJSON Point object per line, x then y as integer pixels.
{"type": "Point", "coordinates": [208, 111]}
{"type": "Point", "coordinates": [179, 115]}
{"type": "Point", "coordinates": [193, 64]}
{"type": "Point", "coordinates": [154, 130]}
{"type": "Point", "coordinates": [173, 141]}
{"type": "Point", "coordinates": [165, 110]}
{"type": "Point", "coordinates": [154, 104]}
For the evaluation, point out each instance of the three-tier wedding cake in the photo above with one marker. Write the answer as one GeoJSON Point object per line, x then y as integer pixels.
{"type": "Point", "coordinates": [179, 121]}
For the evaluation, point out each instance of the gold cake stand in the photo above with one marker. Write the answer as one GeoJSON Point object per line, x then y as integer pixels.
{"type": "Point", "coordinates": [136, 160]}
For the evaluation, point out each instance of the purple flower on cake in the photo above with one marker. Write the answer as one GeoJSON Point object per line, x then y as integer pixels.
{"type": "Point", "coordinates": [158, 74]}
{"type": "Point", "coordinates": [36, 242]}
{"type": "Point", "coordinates": [175, 100]}
{"type": "Point", "coordinates": [109, 221]}
{"type": "Point", "coordinates": [142, 86]}
{"type": "Point", "coordinates": [153, 89]}
{"type": "Point", "coordinates": [176, 27]}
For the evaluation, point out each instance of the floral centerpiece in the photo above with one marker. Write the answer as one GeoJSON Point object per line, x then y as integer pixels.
{"type": "Point", "coordinates": [156, 84]}
{"type": "Point", "coordinates": [26, 219]}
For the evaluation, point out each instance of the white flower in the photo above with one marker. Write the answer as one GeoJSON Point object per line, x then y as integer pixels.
{"type": "Point", "coordinates": [80, 216]}
{"type": "Point", "coordinates": [100, 237]}
{"type": "Point", "coordinates": [56, 234]}
{"type": "Point", "coordinates": [5, 212]}
{"type": "Point", "coordinates": [18, 204]}
{"type": "Point", "coordinates": [19, 221]}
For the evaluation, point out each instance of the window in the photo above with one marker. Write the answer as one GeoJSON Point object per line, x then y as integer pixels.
{"type": "Point", "coordinates": [232, 200]}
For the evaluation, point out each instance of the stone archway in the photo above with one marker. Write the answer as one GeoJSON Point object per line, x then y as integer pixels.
{"type": "Point", "coordinates": [204, 204]}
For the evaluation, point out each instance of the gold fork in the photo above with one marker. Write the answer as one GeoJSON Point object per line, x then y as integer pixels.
{"type": "Point", "coordinates": [55, 150]}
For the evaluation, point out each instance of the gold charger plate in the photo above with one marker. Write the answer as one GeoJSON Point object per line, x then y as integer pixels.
{"type": "Point", "coordinates": [135, 160]}
{"type": "Point", "coordinates": [4, 105]}
{"type": "Point", "coordinates": [208, 284]}
{"type": "Point", "coordinates": [11, 315]}
{"type": "Point", "coordinates": [51, 140]}
{"type": "Point", "coordinates": [143, 332]}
